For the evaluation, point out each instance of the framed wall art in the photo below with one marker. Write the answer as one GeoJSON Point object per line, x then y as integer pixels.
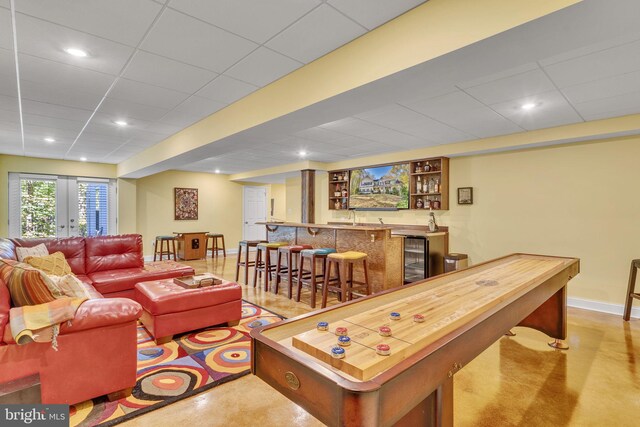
{"type": "Point", "coordinates": [186, 203]}
{"type": "Point", "coordinates": [465, 195]}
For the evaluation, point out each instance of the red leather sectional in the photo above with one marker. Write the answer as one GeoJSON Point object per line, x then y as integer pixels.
{"type": "Point", "coordinates": [97, 352]}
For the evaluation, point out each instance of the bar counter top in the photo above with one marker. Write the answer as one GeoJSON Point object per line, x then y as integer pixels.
{"type": "Point", "coordinates": [345, 226]}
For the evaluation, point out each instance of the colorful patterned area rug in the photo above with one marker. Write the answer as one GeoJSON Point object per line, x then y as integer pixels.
{"type": "Point", "coordinates": [188, 365]}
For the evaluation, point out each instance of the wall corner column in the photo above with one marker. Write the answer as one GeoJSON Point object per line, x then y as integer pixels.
{"type": "Point", "coordinates": [308, 188]}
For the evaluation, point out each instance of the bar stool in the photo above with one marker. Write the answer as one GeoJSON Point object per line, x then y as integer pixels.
{"type": "Point", "coordinates": [310, 277]}
{"type": "Point", "coordinates": [631, 290]}
{"type": "Point", "coordinates": [214, 244]}
{"type": "Point", "coordinates": [160, 250]}
{"type": "Point", "coordinates": [344, 262]}
{"type": "Point", "coordinates": [288, 271]}
{"type": "Point", "coordinates": [244, 262]}
{"type": "Point", "coordinates": [263, 262]}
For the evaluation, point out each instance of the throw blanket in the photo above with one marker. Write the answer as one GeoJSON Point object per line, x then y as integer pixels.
{"type": "Point", "coordinates": [41, 323]}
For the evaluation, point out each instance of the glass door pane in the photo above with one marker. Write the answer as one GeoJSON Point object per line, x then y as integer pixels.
{"type": "Point", "coordinates": [93, 208]}
{"type": "Point", "coordinates": [38, 208]}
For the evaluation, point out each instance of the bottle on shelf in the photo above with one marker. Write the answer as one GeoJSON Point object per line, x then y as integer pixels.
{"type": "Point", "coordinates": [436, 204]}
{"type": "Point", "coordinates": [425, 186]}
{"type": "Point", "coordinates": [419, 204]}
{"type": "Point", "coordinates": [344, 191]}
{"type": "Point", "coordinates": [427, 167]}
{"type": "Point", "coordinates": [336, 204]}
{"type": "Point", "coordinates": [432, 186]}
{"type": "Point", "coordinates": [418, 167]}
{"type": "Point", "coordinates": [419, 185]}
{"type": "Point", "coordinates": [437, 186]}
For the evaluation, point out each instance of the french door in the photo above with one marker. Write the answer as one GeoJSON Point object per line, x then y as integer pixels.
{"type": "Point", "coordinates": [60, 206]}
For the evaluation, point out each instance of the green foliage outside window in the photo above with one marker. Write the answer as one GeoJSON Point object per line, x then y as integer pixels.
{"type": "Point", "coordinates": [38, 208]}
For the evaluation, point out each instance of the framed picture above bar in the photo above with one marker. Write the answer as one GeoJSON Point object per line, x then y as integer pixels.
{"type": "Point", "coordinates": [186, 203]}
{"type": "Point", "coordinates": [465, 195]}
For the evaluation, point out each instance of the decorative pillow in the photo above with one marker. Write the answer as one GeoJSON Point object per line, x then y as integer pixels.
{"type": "Point", "coordinates": [71, 286]}
{"type": "Point", "coordinates": [55, 264]}
{"type": "Point", "coordinates": [37, 250]}
{"type": "Point", "coordinates": [29, 286]}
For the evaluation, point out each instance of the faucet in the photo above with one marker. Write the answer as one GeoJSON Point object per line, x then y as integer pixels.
{"type": "Point", "coordinates": [354, 216]}
{"type": "Point", "coordinates": [380, 219]}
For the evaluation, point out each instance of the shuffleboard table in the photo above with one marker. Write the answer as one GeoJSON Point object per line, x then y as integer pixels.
{"type": "Point", "coordinates": [463, 313]}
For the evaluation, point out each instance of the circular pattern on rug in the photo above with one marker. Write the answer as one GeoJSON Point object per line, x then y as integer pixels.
{"type": "Point", "coordinates": [165, 382]}
{"type": "Point", "coordinates": [230, 358]}
{"type": "Point", "coordinates": [156, 354]}
{"type": "Point", "coordinates": [209, 338]}
{"type": "Point", "coordinates": [255, 322]}
{"type": "Point", "coordinates": [250, 310]}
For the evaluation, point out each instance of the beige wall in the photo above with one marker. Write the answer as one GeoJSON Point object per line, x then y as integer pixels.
{"type": "Point", "coordinates": [278, 192]}
{"type": "Point", "coordinates": [127, 206]}
{"type": "Point", "coordinates": [294, 199]}
{"type": "Point", "coordinates": [219, 206]}
{"type": "Point", "coordinates": [576, 200]}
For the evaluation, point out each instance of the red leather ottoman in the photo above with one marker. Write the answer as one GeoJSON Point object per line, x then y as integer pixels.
{"type": "Point", "coordinates": [170, 309]}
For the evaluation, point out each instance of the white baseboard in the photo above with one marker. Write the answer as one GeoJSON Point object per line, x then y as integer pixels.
{"type": "Point", "coordinates": [603, 307]}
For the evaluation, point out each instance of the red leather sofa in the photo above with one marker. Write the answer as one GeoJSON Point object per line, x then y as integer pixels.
{"type": "Point", "coordinates": [97, 352]}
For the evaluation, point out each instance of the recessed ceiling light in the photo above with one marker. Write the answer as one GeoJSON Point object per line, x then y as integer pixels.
{"type": "Point", "coordinates": [83, 159]}
{"type": "Point", "coordinates": [76, 52]}
{"type": "Point", "coordinates": [302, 153]}
{"type": "Point", "coordinates": [528, 106]}
{"type": "Point", "coordinates": [49, 139]}
{"type": "Point", "coordinates": [120, 122]}
{"type": "Point", "coordinates": [217, 171]}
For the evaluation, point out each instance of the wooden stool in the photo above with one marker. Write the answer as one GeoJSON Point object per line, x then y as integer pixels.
{"type": "Point", "coordinates": [170, 250]}
{"type": "Point", "coordinates": [244, 262]}
{"type": "Point", "coordinates": [631, 290]}
{"type": "Point", "coordinates": [214, 245]}
{"type": "Point", "coordinates": [310, 277]}
{"type": "Point", "coordinates": [291, 268]}
{"type": "Point", "coordinates": [263, 262]}
{"type": "Point", "coordinates": [344, 262]}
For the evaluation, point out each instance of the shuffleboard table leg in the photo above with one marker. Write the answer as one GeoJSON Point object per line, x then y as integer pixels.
{"type": "Point", "coordinates": [551, 316]}
{"type": "Point", "coordinates": [434, 411]}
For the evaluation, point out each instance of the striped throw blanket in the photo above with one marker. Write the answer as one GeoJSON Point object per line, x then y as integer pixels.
{"type": "Point", "coordinates": [41, 323]}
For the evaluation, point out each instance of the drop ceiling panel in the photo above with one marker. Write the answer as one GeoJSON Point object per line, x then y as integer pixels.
{"type": "Point", "coordinates": [433, 131]}
{"type": "Point", "coordinates": [163, 128]}
{"type": "Point", "coordinates": [257, 20]}
{"type": "Point", "coordinates": [47, 93]}
{"type": "Point", "coordinates": [262, 67]}
{"type": "Point", "coordinates": [226, 89]}
{"type": "Point", "coordinates": [316, 34]}
{"type": "Point", "coordinates": [396, 139]}
{"type": "Point", "coordinates": [124, 110]}
{"type": "Point", "coordinates": [6, 34]}
{"type": "Point", "coordinates": [518, 86]}
{"type": "Point", "coordinates": [46, 40]}
{"type": "Point", "coordinates": [7, 64]}
{"type": "Point", "coordinates": [155, 70]}
{"type": "Point", "coordinates": [63, 76]}
{"type": "Point", "coordinates": [192, 110]}
{"type": "Point", "coordinates": [194, 42]}
{"type": "Point", "coordinates": [552, 110]}
{"type": "Point", "coordinates": [142, 93]}
{"type": "Point", "coordinates": [124, 21]}
{"type": "Point", "coordinates": [603, 88]}
{"type": "Point", "coordinates": [502, 74]}
{"type": "Point", "coordinates": [55, 111]}
{"type": "Point", "coordinates": [353, 126]}
{"type": "Point", "coordinates": [9, 116]}
{"type": "Point", "coordinates": [321, 135]}
{"type": "Point", "coordinates": [620, 105]}
{"type": "Point", "coordinates": [595, 66]}
{"type": "Point", "coordinates": [373, 13]}
{"type": "Point", "coordinates": [55, 124]}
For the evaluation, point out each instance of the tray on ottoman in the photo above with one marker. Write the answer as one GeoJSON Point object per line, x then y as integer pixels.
{"type": "Point", "coordinates": [170, 309]}
{"type": "Point", "coordinates": [197, 281]}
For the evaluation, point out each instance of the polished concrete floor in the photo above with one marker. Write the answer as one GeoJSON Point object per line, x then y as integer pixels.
{"type": "Point", "coordinates": [518, 381]}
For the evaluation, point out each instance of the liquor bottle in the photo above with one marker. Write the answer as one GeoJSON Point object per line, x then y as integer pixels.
{"type": "Point", "coordinates": [432, 186]}
{"type": "Point", "coordinates": [336, 204]}
{"type": "Point", "coordinates": [427, 167]}
{"type": "Point", "coordinates": [419, 204]}
{"type": "Point", "coordinates": [344, 192]}
{"type": "Point", "coordinates": [419, 185]}
{"type": "Point", "coordinates": [436, 204]}
{"type": "Point", "coordinates": [418, 168]}
{"type": "Point", "coordinates": [425, 186]}
{"type": "Point", "coordinates": [437, 186]}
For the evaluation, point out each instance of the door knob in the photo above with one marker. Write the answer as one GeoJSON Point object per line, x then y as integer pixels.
{"type": "Point", "coordinates": [62, 226]}
{"type": "Point", "coordinates": [71, 226]}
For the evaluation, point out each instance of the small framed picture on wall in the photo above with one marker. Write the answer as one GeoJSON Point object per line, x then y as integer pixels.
{"type": "Point", "coordinates": [465, 195]}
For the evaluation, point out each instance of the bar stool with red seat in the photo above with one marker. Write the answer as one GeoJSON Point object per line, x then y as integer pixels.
{"type": "Point", "coordinates": [263, 261]}
{"type": "Point", "coordinates": [290, 253]}
{"type": "Point", "coordinates": [310, 277]}
{"type": "Point", "coordinates": [243, 260]}
{"type": "Point", "coordinates": [344, 262]}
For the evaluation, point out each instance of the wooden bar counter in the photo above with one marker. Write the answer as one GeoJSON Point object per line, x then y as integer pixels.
{"type": "Point", "coordinates": [385, 256]}
{"type": "Point", "coordinates": [463, 313]}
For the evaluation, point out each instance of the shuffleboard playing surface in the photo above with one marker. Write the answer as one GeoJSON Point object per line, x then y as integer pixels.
{"type": "Point", "coordinates": [445, 307]}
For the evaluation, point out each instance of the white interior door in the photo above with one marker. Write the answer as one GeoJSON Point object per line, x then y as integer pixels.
{"type": "Point", "coordinates": [254, 210]}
